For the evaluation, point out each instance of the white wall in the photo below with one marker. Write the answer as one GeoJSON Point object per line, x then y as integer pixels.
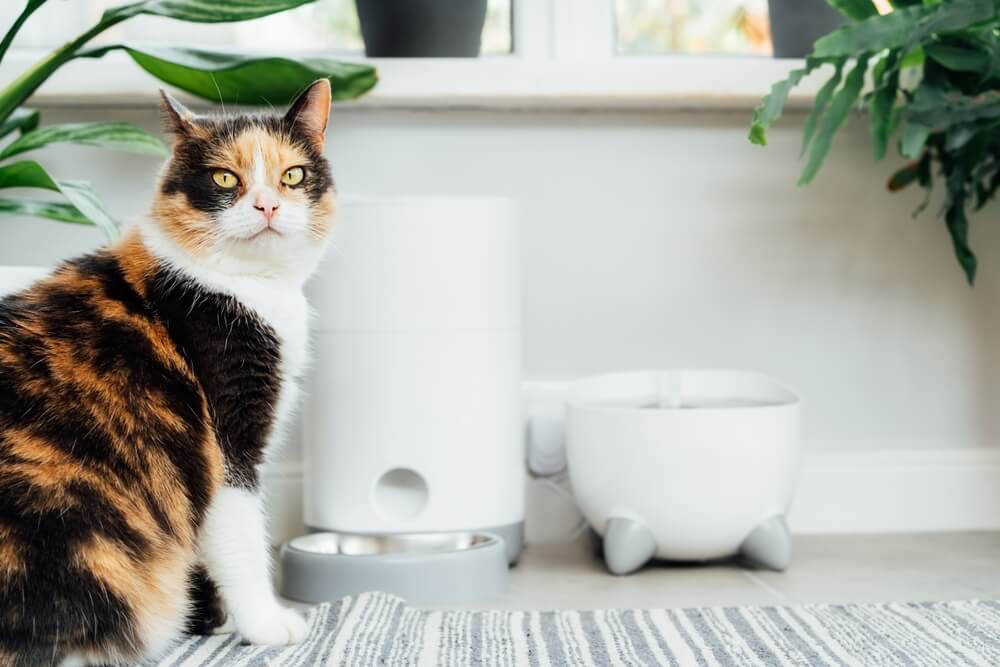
{"type": "Point", "coordinates": [665, 239]}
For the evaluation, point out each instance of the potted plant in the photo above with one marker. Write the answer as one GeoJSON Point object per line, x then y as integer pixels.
{"type": "Point", "coordinates": [217, 76]}
{"type": "Point", "coordinates": [422, 28]}
{"type": "Point", "coordinates": [934, 67]}
{"type": "Point", "coordinates": [796, 24]}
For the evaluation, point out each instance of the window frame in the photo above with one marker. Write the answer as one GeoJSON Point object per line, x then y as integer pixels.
{"type": "Point", "coordinates": [564, 56]}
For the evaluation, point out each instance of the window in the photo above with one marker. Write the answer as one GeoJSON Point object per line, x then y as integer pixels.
{"type": "Point", "coordinates": [646, 27]}
{"type": "Point", "coordinates": [326, 25]}
{"type": "Point", "coordinates": [630, 27]}
{"type": "Point", "coordinates": [546, 52]}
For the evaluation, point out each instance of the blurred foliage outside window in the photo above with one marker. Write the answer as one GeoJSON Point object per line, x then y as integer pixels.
{"type": "Point", "coordinates": [650, 27]}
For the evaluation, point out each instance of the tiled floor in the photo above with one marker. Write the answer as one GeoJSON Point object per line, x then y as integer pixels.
{"type": "Point", "coordinates": [868, 568]}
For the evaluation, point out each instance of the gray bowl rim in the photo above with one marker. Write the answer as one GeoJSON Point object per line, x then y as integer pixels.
{"type": "Point", "coordinates": [491, 540]}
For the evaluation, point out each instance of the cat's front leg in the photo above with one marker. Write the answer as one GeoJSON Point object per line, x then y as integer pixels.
{"type": "Point", "coordinates": [235, 551]}
{"type": "Point", "coordinates": [207, 612]}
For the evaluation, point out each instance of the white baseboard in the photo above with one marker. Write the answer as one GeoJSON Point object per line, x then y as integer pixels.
{"type": "Point", "coordinates": [907, 490]}
{"type": "Point", "coordinates": [846, 491]}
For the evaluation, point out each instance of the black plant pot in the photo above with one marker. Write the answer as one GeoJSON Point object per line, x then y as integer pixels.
{"type": "Point", "coordinates": [422, 28]}
{"type": "Point", "coordinates": [797, 24]}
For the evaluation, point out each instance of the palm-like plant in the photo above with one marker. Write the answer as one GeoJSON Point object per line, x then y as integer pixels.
{"type": "Point", "coordinates": [934, 68]}
{"type": "Point", "coordinates": [224, 77]}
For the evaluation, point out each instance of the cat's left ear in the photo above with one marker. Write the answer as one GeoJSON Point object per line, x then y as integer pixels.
{"type": "Point", "coordinates": [310, 112]}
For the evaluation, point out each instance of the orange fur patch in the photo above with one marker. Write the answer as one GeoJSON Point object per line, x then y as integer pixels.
{"type": "Point", "coordinates": [320, 224]}
{"type": "Point", "coordinates": [138, 264]}
{"type": "Point", "coordinates": [191, 229]}
{"type": "Point", "coordinates": [11, 562]}
{"type": "Point", "coordinates": [155, 590]}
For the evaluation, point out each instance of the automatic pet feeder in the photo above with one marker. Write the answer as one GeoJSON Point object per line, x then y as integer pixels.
{"type": "Point", "coordinates": [685, 465]}
{"type": "Point", "coordinates": [414, 461]}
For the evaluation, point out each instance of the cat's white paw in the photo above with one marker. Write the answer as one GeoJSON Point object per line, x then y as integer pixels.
{"type": "Point", "coordinates": [275, 626]}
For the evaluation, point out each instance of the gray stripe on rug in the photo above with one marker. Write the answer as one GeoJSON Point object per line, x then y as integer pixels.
{"type": "Point", "coordinates": [379, 629]}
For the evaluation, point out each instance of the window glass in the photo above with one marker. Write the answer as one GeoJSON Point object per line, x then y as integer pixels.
{"type": "Point", "coordinates": [326, 25]}
{"type": "Point", "coordinates": [649, 27]}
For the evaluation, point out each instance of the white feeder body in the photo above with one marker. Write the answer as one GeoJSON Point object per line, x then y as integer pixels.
{"type": "Point", "coordinates": [413, 416]}
{"type": "Point", "coordinates": [698, 459]}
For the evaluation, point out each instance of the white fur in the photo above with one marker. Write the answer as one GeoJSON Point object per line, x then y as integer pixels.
{"type": "Point", "coordinates": [259, 176]}
{"type": "Point", "coordinates": [266, 275]}
{"type": "Point", "coordinates": [235, 552]}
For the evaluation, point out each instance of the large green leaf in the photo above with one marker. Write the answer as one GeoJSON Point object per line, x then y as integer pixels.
{"type": "Point", "coordinates": [958, 58]}
{"type": "Point", "coordinates": [43, 209]}
{"type": "Point", "coordinates": [22, 120]}
{"type": "Point", "coordinates": [957, 16]}
{"type": "Point", "coordinates": [823, 98]}
{"type": "Point", "coordinates": [958, 136]}
{"type": "Point", "coordinates": [904, 27]}
{"type": "Point", "coordinates": [882, 110]}
{"type": "Point", "coordinates": [773, 104]}
{"type": "Point", "coordinates": [118, 136]}
{"type": "Point", "coordinates": [18, 23]}
{"type": "Point", "coordinates": [240, 78]}
{"type": "Point", "coordinates": [202, 11]}
{"type": "Point", "coordinates": [988, 190]}
{"type": "Point", "coordinates": [958, 228]}
{"type": "Point", "coordinates": [834, 119]}
{"type": "Point", "coordinates": [939, 110]}
{"type": "Point", "coordinates": [914, 139]}
{"type": "Point", "coordinates": [19, 90]}
{"type": "Point", "coordinates": [855, 9]}
{"type": "Point", "coordinates": [30, 174]}
{"type": "Point", "coordinates": [873, 34]}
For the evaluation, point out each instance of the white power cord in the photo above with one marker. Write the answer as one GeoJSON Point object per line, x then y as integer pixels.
{"type": "Point", "coordinates": [547, 441]}
{"type": "Point", "coordinates": [547, 460]}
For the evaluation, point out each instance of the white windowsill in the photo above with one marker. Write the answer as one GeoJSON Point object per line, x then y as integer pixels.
{"type": "Point", "coordinates": [669, 82]}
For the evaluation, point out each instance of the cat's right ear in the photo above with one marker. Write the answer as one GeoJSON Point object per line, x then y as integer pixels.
{"type": "Point", "coordinates": [177, 118]}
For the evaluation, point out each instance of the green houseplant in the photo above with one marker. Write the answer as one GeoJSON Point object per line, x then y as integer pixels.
{"type": "Point", "coordinates": [218, 76]}
{"type": "Point", "coordinates": [934, 73]}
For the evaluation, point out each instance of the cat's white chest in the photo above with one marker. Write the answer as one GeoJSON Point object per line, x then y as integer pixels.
{"type": "Point", "coordinates": [287, 313]}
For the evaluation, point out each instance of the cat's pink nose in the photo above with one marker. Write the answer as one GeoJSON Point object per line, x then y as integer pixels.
{"type": "Point", "coordinates": [267, 204]}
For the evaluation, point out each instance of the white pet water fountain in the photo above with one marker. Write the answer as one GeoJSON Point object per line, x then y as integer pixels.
{"type": "Point", "coordinates": [414, 455]}
{"type": "Point", "coordinates": [685, 465]}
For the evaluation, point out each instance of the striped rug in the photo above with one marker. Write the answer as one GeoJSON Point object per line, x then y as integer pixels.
{"type": "Point", "coordinates": [378, 629]}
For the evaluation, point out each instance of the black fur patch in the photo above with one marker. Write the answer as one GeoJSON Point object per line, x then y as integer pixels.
{"type": "Point", "coordinates": [190, 173]}
{"type": "Point", "coordinates": [237, 360]}
{"type": "Point", "coordinates": [207, 611]}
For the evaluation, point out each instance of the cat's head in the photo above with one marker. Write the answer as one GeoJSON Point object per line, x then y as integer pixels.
{"type": "Point", "coordinates": [247, 193]}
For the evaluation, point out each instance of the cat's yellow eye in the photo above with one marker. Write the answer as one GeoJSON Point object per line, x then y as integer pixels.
{"type": "Point", "coordinates": [225, 179]}
{"type": "Point", "coordinates": [293, 176]}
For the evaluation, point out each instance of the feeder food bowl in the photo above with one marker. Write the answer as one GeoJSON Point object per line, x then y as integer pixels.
{"type": "Point", "coordinates": [423, 568]}
{"type": "Point", "coordinates": [685, 465]}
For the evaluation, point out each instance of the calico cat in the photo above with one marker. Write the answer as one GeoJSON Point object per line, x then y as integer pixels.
{"type": "Point", "coordinates": [140, 388]}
